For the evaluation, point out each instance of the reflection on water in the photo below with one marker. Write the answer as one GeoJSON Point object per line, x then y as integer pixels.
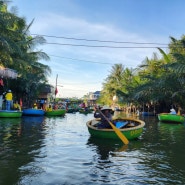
{"type": "Point", "coordinates": [19, 138]}
{"type": "Point", "coordinates": [39, 150]}
{"type": "Point", "coordinates": [33, 119]}
{"type": "Point", "coordinates": [103, 147]}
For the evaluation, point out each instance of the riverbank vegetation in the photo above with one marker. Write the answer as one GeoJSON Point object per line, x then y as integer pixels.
{"type": "Point", "coordinates": [18, 52]}
{"type": "Point", "coordinates": [157, 81]}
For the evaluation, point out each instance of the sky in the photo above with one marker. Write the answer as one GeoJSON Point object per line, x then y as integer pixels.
{"type": "Point", "coordinates": [86, 38]}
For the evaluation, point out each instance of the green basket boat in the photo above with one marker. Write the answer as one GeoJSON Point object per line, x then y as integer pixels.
{"type": "Point", "coordinates": [57, 112]}
{"type": "Point", "coordinates": [82, 111]}
{"type": "Point", "coordinates": [10, 114]}
{"type": "Point", "coordinates": [131, 131]}
{"type": "Point", "coordinates": [171, 118]}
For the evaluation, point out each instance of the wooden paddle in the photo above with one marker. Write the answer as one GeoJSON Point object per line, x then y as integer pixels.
{"type": "Point", "coordinates": [116, 130]}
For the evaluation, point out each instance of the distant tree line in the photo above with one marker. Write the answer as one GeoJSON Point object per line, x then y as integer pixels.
{"type": "Point", "coordinates": [157, 81]}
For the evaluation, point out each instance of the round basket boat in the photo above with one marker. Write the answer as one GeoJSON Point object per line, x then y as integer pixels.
{"type": "Point", "coordinates": [131, 128]}
{"type": "Point", "coordinates": [33, 112]}
{"type": "Point", "coordinates": [10, 114]}
{"type": "Point", "coordinates": [171, 118]}
{"type": "Point", "coordinates": [58, 112]}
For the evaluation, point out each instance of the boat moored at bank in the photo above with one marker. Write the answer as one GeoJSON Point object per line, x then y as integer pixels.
{"type": "Point", "coordinates": [33, 112]}
{"type": "Point", "coordinates": [10, 114]}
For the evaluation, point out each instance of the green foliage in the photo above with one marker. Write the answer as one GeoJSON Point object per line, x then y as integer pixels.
{"type": "Point", "coordinates": [156, 79]}
{"type": "Point", "coordinates": [17, 51]}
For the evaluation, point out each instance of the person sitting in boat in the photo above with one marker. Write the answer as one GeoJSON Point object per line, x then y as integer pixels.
{"type": "Point", "coordinates": [49, 108]}
{"type": "Point", "coordinates": [55, 106]}
{"type": "Point", "coordinates": [172, 111]}
{"type": "Point", "coordinates": [8, 98]}
{"type": "Point", "coordinates": [107, 113]}
{"type": "Point", "coordinates": [16, 106]}
{"type": "Point", "coordinates": [83, 105]}
{"type": "Point", "coordinates": [35, 106]}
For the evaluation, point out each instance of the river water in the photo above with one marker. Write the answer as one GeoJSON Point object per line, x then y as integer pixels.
{"type": "Point", "coordinates": [60, 151]}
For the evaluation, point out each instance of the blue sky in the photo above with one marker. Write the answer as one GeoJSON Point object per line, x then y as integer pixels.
{"type": "Point", "coordinates": [83, 69]}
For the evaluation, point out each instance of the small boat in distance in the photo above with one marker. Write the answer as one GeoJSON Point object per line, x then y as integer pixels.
{"type": "Point", "coordinates": [171, 118]}
{"type": "Point", "coordinates": [83, 111]}
{"type": "Point", "coordinates": [57, 112]}
{"type": "Point", "coordinates": [10, 113]}
{"type": "Point", "coordinates": [147, 113]}
{"type": "Point", "coordinates": [130, 127]}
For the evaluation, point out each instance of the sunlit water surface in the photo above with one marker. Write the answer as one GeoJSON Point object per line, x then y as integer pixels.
{"type": "Point", "coordinates": [54, 151]}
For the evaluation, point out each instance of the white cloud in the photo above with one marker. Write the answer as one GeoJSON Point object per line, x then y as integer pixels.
{"type": "Point", "coordinates": [76, 71]}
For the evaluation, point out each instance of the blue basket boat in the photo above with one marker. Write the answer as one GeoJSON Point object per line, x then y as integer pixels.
{"type": "Point", "coordinates": [33, 112]}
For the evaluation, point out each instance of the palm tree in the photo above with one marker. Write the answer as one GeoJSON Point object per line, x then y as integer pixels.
{"type": "Point", "coordinates": [17, 52]}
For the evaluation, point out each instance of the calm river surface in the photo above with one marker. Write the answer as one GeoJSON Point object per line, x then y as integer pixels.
{"type": "Point", "coordinates": [60, 151]}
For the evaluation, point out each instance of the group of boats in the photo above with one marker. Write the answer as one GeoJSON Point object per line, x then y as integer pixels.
{"type": "Point", "coordinates": [31, 112]}
{"type": "Point", "coordinates": [130, 127]}
{"type": "Point", "coordinates": [80, 110]}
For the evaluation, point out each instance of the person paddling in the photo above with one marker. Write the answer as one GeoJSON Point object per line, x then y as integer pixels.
{"type": "Point", "coordinates": [107, 112]}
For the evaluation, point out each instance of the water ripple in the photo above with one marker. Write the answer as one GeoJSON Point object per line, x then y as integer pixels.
{"type": "Point", "coordinates": [60, 151]}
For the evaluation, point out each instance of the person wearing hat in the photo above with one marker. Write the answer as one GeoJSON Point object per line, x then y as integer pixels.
{"type": "Point", "coordinates": [8, 98]}
{"type": "Point", "coordinates": [107, 113]}
{"type": "Point", "coordinates": [172, 111]}
{"type": "Point", "coordinates": [35, 106]}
